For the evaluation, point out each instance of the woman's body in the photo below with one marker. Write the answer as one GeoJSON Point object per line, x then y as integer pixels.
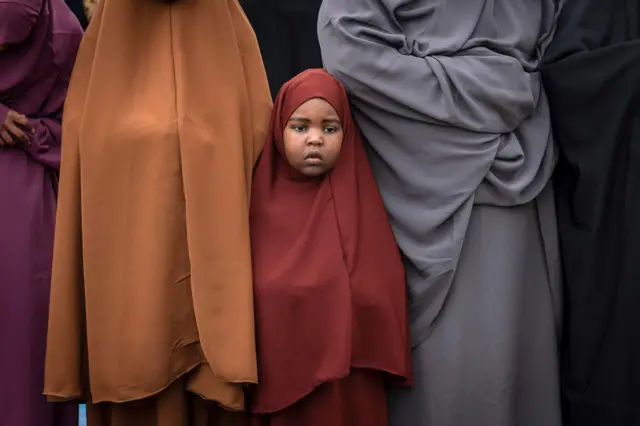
{"type": "Point", "coordinates": [40, 39]}
{"type": "Point", "coordinates": [152, 291]}
{"type": "Point", "coordinates": [591, 76]}
{"type": "Point", "coordinates": [451, 103]}
{"type": "Point", "coordinates": [329, 285]}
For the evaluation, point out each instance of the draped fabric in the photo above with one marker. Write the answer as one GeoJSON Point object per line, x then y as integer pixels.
{"type": "Point", "coordinates": [329, 282]}
{"type": "Point", "coordinates": [152, 275]}
{"type": "Point", "coordinates": [42, 39]}
{"type": "Point", "coordinates": [449, 97]}
{"type": "Point", "coordinates": [590, 72]}
{"type": "Point", "coordinates": [19, 19]}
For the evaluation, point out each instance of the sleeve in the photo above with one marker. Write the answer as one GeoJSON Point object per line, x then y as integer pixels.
{"type": "Point", "coordinates": [424, 116]}
{"type": "Point", "coordinates": [366, 45]}
{"type": "Point", "coordinates": [4, 110]}
{"type": "Point", "coordinates": [45, 144]}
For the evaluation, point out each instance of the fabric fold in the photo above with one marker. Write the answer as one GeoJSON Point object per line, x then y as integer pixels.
{"type": "Point", "coordinates": [470, 118]}
{"type": "Point", "coordinates": [155, 187]}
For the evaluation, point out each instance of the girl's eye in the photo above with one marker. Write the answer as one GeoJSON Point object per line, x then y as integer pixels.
{"type": "Point", "coordinates": [299, 128]}
{"type": "Point", "coordinates": [331, 129]}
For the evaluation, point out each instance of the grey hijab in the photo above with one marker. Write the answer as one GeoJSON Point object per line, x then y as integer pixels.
{"type": "Point", "coordinates": [449, 97]}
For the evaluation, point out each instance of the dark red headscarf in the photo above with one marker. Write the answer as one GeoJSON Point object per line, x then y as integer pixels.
{"type": "Point", "coordinates": [329, 282]}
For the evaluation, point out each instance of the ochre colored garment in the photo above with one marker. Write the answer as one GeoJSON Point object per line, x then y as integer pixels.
{"type": "Point", "coordinates": [166, 114]}
{"type": "Point", "coordinates": [328, 279]}
{"type": "Point", "coordinates": [357, 400]}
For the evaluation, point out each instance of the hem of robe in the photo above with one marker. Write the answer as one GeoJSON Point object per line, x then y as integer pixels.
{"type": "Point", "coordinates": [201, 380]}
{"type": "Point", "coordinates": [394, 378]}
{"type": "Point", "coordinates": [188, 359]}
{"type": "Point", "coordinates": [492, 359]}
{"type": "Point", "coordinates": [358, 399]}
{"type": "Point", "coordinates": [174, 406]}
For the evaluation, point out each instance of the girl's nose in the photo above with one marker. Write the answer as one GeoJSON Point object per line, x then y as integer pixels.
{"type": "Point", "coordinates": [315, 138]}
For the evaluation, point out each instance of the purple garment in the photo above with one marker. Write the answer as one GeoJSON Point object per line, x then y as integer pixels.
{"type": "Point", "coordinates": [43, 38]}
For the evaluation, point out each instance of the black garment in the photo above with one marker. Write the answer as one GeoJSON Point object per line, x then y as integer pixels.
{"type": "Point", "coordinates": [77, 7]}
{"type": "Point", "coordinates": [287, 34]}
{"type": "Point", "coordinates": [592, 77]}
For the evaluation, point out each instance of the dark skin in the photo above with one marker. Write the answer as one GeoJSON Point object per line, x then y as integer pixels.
{"type": "Point", "coordinates": [15, 129]}
{"type": "Point", "coordinates": [313, 138]}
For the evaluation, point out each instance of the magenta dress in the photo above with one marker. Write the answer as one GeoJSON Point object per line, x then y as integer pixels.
{"type": "Point", "coordinates": [43, 38]}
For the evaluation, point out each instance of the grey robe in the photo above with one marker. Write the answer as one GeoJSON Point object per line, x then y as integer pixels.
{"type": "Point", "coordinates": [449, 97]}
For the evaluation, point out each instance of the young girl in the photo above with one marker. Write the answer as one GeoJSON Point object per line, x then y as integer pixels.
{"type": "Point", "coordinates": [328, 279]}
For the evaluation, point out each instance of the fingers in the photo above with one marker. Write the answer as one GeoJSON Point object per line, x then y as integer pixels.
{"type": "Point", "coordinates": [19, 119]}
{"type": "Point", "coordinates": [5, 138]}
{"type": "Point", "coordinates": [16, 132]}
{"type": "Point", "coordinates": [12, 131]}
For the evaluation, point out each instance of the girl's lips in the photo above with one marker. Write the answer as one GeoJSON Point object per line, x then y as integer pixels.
{"type": "Point", "coordinates": [313, 157]}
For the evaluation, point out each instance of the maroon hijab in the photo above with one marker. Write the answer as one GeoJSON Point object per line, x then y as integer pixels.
{"type": "Point", "coordinates": [328, 279]}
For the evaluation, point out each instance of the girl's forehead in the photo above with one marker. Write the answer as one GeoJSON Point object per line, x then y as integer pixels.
{"type": "Point", "coordinates": [316, 106]}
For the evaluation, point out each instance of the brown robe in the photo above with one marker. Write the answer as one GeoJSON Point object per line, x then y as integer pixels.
{"type": "Point", "coordinates": [166, 114]}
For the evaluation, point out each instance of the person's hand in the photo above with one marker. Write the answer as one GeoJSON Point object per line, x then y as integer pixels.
{"type": "Point", "coordinates": [14, 128]}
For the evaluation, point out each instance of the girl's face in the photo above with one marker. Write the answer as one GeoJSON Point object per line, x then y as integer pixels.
{"type": "Point", "coordinates": [313, 138]}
